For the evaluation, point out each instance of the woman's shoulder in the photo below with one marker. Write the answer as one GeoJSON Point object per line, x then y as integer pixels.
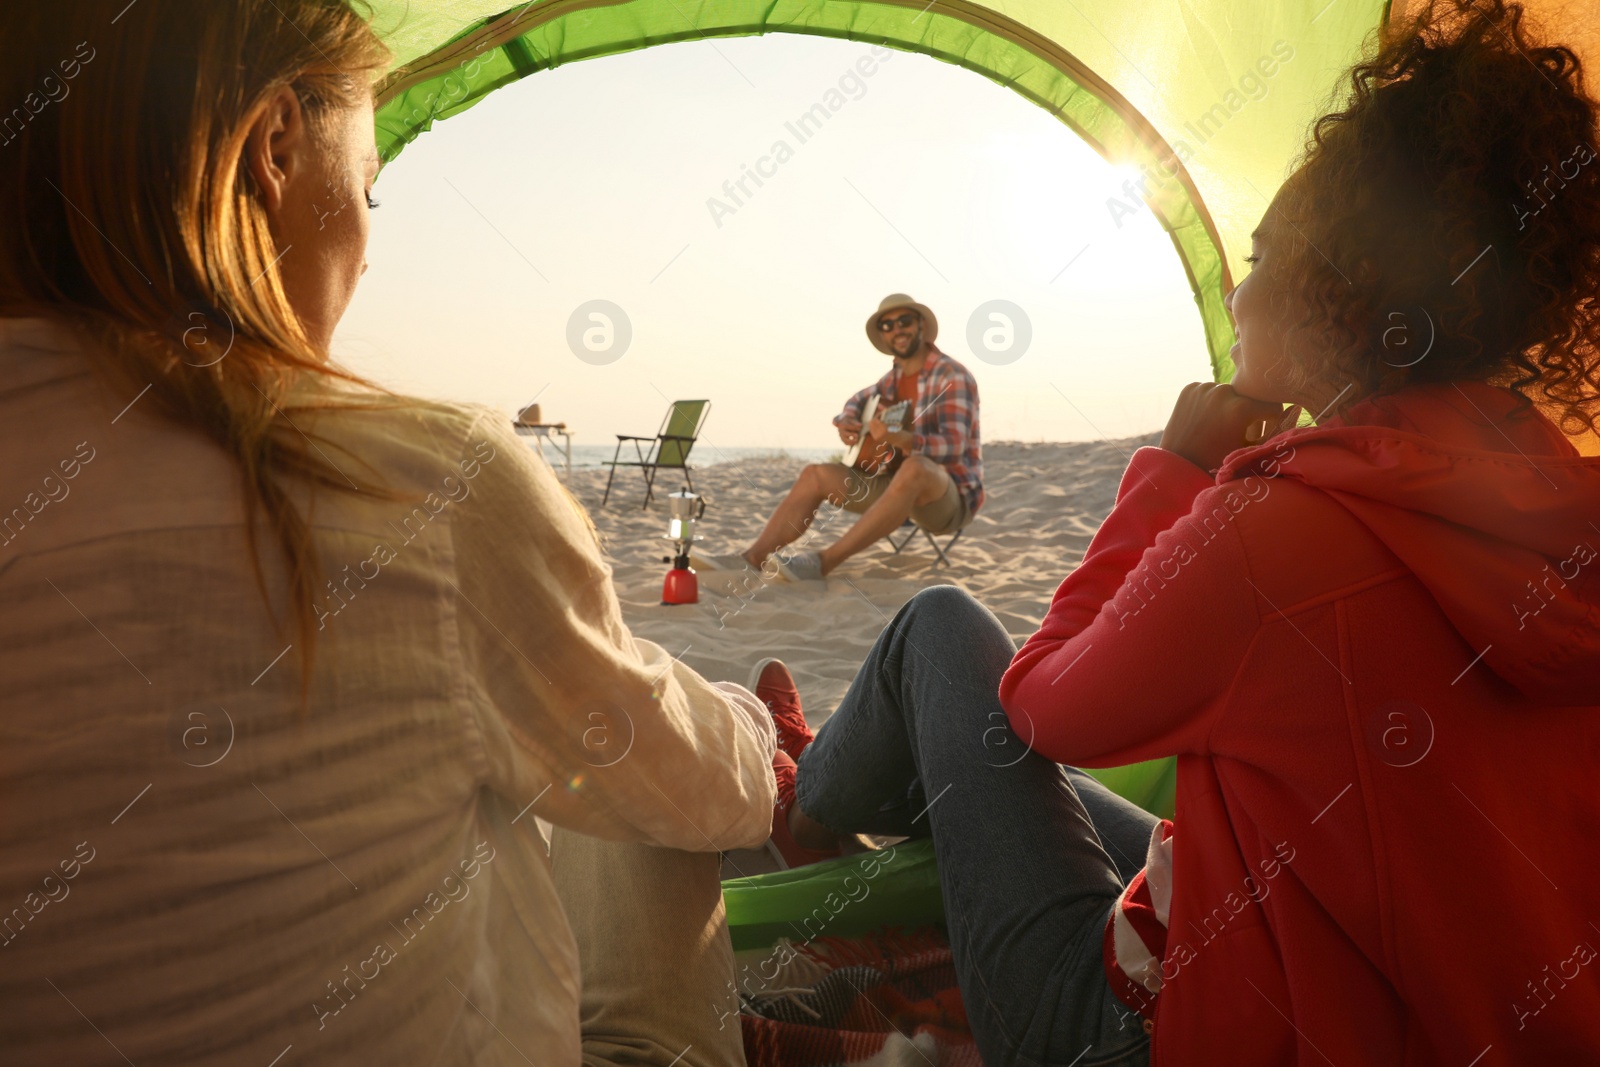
{"type": "Point", "coordinates": [1299, 542]}
{"type": "Point", "coordinates": [393, 429]}
{"type": "Point", "coordinates": [414, 449]}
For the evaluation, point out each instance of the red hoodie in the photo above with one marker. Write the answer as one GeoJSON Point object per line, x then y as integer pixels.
{"type": "Point", "coordinates": [1374, 647]}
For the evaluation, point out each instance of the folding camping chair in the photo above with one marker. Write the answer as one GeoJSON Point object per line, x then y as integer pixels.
{"type": "Point", "coordinates": [669, 448]}
{"type": "Point", "coordinates": [911, 529]}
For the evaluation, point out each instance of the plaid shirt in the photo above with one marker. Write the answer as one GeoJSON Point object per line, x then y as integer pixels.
{"type": "Point", "coordinates": [945, 428]}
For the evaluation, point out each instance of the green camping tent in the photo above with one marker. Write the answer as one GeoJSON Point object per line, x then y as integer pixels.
{"type": "Point", "coordinates": [1208, 100]}
{"type": "Point", "coordinates": [1205, 103]}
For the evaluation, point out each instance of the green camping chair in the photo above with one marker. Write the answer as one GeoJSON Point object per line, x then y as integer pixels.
{"type": "Point", "coordinates": [669, 448]}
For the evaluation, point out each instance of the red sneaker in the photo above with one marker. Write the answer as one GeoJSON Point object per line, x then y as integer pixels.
{"type": "Point", "coordinates": [771, 681]}
{"type": "Point", "coordinates": [793, 855]}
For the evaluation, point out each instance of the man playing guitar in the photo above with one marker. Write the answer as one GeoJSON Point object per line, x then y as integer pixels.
{"type": "Point", "coordinates": [915, 451]}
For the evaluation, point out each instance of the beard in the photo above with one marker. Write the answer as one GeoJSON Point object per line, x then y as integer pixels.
{"type": "Point", "coordinates": [911, 349]}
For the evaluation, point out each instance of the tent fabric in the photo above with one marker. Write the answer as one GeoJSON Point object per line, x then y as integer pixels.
{"type": "Point", "coordinates": [1207, 102]}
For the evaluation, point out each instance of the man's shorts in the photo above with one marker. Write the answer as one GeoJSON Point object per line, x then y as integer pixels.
{"type": "Point", "coordinates": [945, 515]}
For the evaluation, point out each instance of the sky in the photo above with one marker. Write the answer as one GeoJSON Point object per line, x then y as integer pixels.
{"type": "Point", "coordinates": [581, 237]}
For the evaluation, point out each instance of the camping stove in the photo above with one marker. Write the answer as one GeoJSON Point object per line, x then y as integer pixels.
{"type": "Point", "coordinates": [681, 586]}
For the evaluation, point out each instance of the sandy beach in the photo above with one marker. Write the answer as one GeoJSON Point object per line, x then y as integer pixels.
{"type": "Point", "coordinates": [1045, 502]}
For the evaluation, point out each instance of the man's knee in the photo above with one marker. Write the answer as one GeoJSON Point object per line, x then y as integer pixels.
{"type": "Point", "coordinates": [819, 478]}
{"type": "Point", "coordinates": [919, 475]}
{"type": "Point", "coordinates": [831, 481]}
{"type": "Point", "coordinates": [918, 468]}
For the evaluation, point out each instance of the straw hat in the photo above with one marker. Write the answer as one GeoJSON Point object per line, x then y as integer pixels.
{"type": "Point", "coordinates": [893, 302]}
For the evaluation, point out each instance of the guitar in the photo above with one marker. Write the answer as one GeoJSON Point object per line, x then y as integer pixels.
{"type": "Point", "coordinates": [887, 457]}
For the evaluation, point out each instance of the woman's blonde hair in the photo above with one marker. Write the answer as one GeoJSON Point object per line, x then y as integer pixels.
{"type": "Point", "coordinates": [127, 213]}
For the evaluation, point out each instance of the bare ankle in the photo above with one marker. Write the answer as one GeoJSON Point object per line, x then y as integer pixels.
{"type": "Point", "coordinates": [808, 833]}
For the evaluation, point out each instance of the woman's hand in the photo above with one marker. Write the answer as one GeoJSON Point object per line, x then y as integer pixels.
{"type": "Point", "coordinates": [1210, 420]}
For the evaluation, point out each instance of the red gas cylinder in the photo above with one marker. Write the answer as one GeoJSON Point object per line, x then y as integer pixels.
{"type": "Point", "coordinates": [681, 586]}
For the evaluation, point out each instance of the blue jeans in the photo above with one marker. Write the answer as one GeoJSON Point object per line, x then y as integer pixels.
{"type": "Point", "coordinates": [1032, 855]}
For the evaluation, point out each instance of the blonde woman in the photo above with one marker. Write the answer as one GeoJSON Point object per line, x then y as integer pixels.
{"type": "Point", "coordinates": [290, 664]}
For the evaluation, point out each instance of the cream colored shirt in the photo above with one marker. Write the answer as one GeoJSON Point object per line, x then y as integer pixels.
{"type": "Point", "coordinates": [193, 874]}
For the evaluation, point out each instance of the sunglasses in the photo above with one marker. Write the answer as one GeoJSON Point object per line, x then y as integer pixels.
{"type": "Point", "coordinates": [907, 319]}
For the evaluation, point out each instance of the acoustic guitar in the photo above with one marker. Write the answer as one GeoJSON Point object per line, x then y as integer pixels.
{"type": "Point", "coordinates": [885, 457]}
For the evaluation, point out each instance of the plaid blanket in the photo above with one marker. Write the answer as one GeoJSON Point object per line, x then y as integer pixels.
{"type": "Point", "coordinates": [886, 999]}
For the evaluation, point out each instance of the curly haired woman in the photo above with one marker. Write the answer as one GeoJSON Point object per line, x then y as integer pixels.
{"type": "Point", "coordinates": [1372, 643]}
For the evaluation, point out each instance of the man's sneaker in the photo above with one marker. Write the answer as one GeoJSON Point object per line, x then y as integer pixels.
{"type": "Point", "coordinates": [774, 686]}
{"type": "Point", "coordinates": [802, 567]}
{"type": "Point", "coordinates": [705, 561]}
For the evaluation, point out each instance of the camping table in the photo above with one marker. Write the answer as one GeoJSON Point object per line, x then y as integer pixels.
{"type": "Point", "coordinates": [543, 431]}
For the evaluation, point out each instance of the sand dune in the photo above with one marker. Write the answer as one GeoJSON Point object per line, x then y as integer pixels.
{"type": "Point", "coordinates": [1044, 503]}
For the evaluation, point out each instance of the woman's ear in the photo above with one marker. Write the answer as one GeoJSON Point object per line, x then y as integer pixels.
{"type": "Point", "coordinates": [277, 147]}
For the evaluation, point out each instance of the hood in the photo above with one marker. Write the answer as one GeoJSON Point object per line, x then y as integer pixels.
{"type": "Point", "coordinates": [1498, 517]}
